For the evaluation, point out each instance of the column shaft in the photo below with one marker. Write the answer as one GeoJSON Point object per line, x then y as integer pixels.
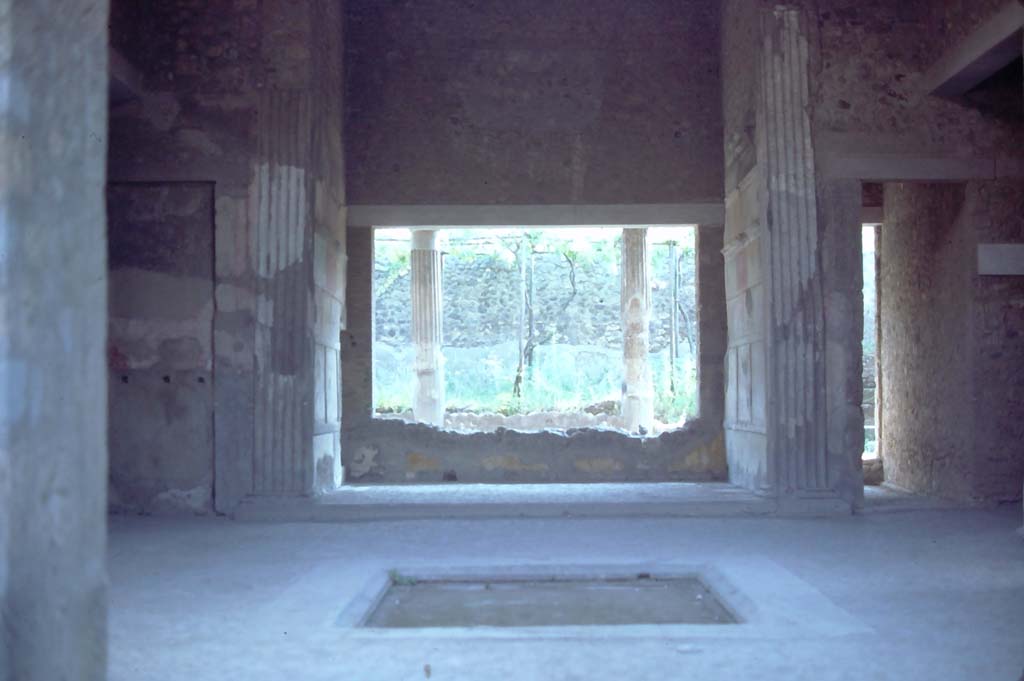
{"type": "Point", "coordinates": [426, 271]}
{"type": "Point", "coordinates": [796, 409]}
{"type": "Point", "coordinates": [637, 392]}
{"type": "Point", "coordinates": [53, 330]}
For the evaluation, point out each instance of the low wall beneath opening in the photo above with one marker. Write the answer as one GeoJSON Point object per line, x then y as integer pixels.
{"type": "Point", "coordinates": [386, 451]}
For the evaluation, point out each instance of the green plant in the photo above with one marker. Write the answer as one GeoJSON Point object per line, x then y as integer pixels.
{"type": "Point", "coordinates": [532, 321]}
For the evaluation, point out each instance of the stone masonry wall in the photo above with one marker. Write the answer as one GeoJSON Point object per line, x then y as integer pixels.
{"type": "Point", "coordinates": [866, 104]}
{"type": "Point", "coordinates": [866, 63]}
{"type": "Point", "coordinates": [996, 210]}
{"type": "Point", "coordinates": [739, 57]}
{"type": "Point", "coordinates": [195, 121]}
{"type": "Point", "coordinates": [952, 409]}
{"type": "Point", "coordinates": [745, 359]}
{"type": "Point", "coordinates": [876, 112]}
{"type": "Point", "coordinates": [957, 18]}
{"type": "Point", "coordinates": [160, 346]}
{"type": "Point", "coordinates": [330, 263]}
{"type": "Point", "coordinates": [927, 340]}
{"type": "Point", "coordinates": [247, 96]}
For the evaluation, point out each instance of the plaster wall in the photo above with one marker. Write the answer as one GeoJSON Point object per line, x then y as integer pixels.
{"type": "Point", "coordinates": [392, 452]}
{"type": "Point", "coordinates": [745, 360]}
{"type": "Point", "coordinates": [867, 106]}
{"type": "Point", "coordinates": [330, 262]}
{"type": "Point", "coordinates": [581, 102]}
{"type": "Point", "coordinates": [357, 342]}
{"type": "Point", "coordinates": [160, 346]}
{"type": "Point", "coordinates": [740, 56]}
{"type": "Point", "coordinates": [248, 97]}
{"type": "Point", "coordinates": [712, 336]}
{"type": "Point", "coordinates": [329, 279]}
{"type": "Point", "coordinates": [745, 416]}
{"type": "Point", "coordinates": [842, 277]}
{"type": "Point", "coordinates": [951, 342]}
{"type": "Point", "coordinates": [958, 18]}
{"type": "Point", "coordinates": [996, 210]}
{"type": "Point", "coordinates": [927, 341]}
{"type": "Point", "coordinates": [53, 583]}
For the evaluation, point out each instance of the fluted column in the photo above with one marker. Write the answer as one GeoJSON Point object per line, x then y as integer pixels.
{"type": "Point", "coordinates": [797, 417]}
{"type": "Point", "coordinates": [426, 268]}
{"type": "Point", "coordinates": [637, 391]}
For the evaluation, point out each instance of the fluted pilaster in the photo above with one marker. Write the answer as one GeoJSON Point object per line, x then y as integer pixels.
{"type": "Point", "coordinates": [797, 423]}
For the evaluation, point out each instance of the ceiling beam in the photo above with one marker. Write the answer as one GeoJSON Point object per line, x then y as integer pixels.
{"type": "Point", "coordinates": [712, 213]}
{"type": "Point", "coordinates": [986, 50]}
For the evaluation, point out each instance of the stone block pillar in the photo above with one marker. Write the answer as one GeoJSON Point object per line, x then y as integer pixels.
{"type": "Point", "coordinates": [712, 337]}
{"type": "Point", "coordinates": [53, 318]}
{"type": "Point", "coordinates": [637, 390]}
{"type": "Point", "coordinates": [426, 271]}
{"type": "Point", "coordinates": [357, 344]}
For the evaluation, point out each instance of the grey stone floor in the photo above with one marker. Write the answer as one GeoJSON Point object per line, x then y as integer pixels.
{"type": "Point", "coordinates": [617, 493]}
{"type": "Point", "coordinates": [449, 501]}
{"type": "Point", "coordinates": [918, 594]}
{"type": "Point", "coordinates": [452, 501]}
